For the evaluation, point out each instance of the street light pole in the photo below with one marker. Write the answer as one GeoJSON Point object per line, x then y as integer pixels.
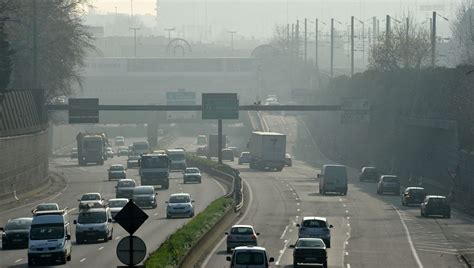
{"type": "Point", "coordinates": [305, 39]}
{"type": "Point", "coordinates": [169, 33]}
{"type": "Point", "coordinates": [352, 46]}
{"type": "Point", "coordinates": [332, 47]}
{"type": "Point", "coordinates": [134, 29]}
{"type": "Point", "coordinates": [232, 39]}
{"type": "Point", "coordinates": [316, 44]}
{"type": "Point", "coordinates": [433, 40]}
{"type": "Point", "coordinates": [35, 47]}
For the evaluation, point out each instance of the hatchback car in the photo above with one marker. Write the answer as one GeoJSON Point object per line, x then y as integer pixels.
{"type": "Point", "coordinates": [145, 196]}
{"type": "Point", "coordinates": [180, 205]}
{"type": "Point", "coordinates": [94, 224]}
{"type": "Point", "coordinates": [90, 200]}
{"type": "Point", "coordinates": [119, 140]}
{"type": "Point", "coordinates": [122, 151]}
{"type": "Point", "coordinates": [16, 233]}
{"type": "Point", "coordinates": [310, 250]}
{"type": "Point", "coordinates": [435, 205]}
{"type": "Point", "coordinates": [244, 158]}
{"type": "Point", "coordinates": [288, 160]}
{"type": "Point", "coordinates": [132, 161]}
{"type": "Point", "coordinates": [369, 174]}
{"type": "Point", "coordinates": [413, 195]}
{"type": "Point", "coordinates": [388, 183]}
{"type": "Point", "coordinates": [315, 227]}
{"type": "Point", "coordinates": [110, 152]}
{"type": "Point", "coordinates": [250, 256]}
{"type": "Point", "coordinates": [124, 188]}
{"type": "Point", "coordinates": [117, 171]}
{"type": "Point", "coordinates": [241, 235]}
{"type": "Point", "coordinates": [116, 204]}
{"type": "Point", "coordinates": [192, 174]}
{"type": "Point", "coordinates": [227, 154]}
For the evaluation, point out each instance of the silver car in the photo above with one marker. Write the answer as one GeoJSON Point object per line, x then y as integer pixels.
{"type": "Point", "coordinates": [180, 205]}
{"type": "Point", "coordinates": [315, 227]}
{"type": "Point", "coordinates": [94, 224]}
{"type": "Point", "coordinates": [116, 204]}
{"type": "Point", "coordinates": [241, 235]}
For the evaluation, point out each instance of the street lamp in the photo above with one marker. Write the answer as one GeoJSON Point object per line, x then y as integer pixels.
{"type": "Point", "coordinates": [232, 39]}
{"type": "Point", "coordinates": [169, 33]}
{"type": "Point", "coordinates": [134, 29]}
{"type": "Point", "coordinates": [332, 43]}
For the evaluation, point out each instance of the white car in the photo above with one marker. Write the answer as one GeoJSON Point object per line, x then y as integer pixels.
{"type": "Point", "coordinates": [192, 174]}
{"type": "Point", "coordinates": [250, 256]}
{"type": "Point", "coordinates": [116, 204]}
{"type": "Point", "coordinates": [315, 227]}
{"type": "Point", "coordinates": [180, 205]}
{"type": "Point", "coordinates": [89, 200]}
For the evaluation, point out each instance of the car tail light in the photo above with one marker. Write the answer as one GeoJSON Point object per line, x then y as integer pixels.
{"type": "Point", "coordinates": [254, 237]}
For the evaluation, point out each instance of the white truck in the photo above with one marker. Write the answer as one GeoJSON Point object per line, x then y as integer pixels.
{"type": "Point", "coordinates": [267, 150]}
{"type": "Point", "coordinates": [178, 159]}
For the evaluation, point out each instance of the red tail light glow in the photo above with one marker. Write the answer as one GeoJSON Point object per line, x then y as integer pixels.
{"type": "Point", "coordinates": [254, 237]}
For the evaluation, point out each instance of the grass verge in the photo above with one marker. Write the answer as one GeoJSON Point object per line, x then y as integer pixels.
{"type": "Point", "coordinates": [177, 245]}
{"type": "Point", "coordinates": [210, 164]}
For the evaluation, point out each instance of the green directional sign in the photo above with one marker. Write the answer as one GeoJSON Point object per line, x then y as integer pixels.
{"type": "Point", "coordinates": [220, 106]}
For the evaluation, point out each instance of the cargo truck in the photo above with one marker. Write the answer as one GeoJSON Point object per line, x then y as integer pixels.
{"type": "Point", "coordinates": [91, 148]}
{"type": "Point", "coordinates": [213, 143]}
{"type": "Point", "coordinates": [154, 169]}
{"type": "Point", "coordinates": [267, 150]}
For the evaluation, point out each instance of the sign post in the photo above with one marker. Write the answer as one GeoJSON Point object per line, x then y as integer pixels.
{"type": "Point", "coordinates": [220, 106]}
{"type": "Point", "coordinates": [131, 250]}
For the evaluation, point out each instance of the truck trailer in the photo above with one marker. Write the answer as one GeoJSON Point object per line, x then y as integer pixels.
{"type": "Point", "coordinates": [267, 150]}
{"type": "Point", "coordinates": [91, 148]}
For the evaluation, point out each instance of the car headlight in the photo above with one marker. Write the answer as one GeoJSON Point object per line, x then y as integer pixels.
{"type": "Point", "coordinates": [60, 245]}
{"type": "Point", "coordinates": [32, 247]}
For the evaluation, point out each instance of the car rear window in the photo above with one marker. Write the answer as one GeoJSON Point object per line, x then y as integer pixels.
{"type": "Point", "coordinates": [18, 224]}
{"type": "Point", "coordinates": [314, 243]}
{"type": "Point", "coordinates": [143, 190]}
{"type": "Point", "coordinates": [249, 258]}
{"type": "Point", "coordinates": [126, 184]}
{"type": "Point", "coordinates": [314, 224]}
{"type": "Point", "coordinates": [241, 231]}
{"type": "Point", "coordinates": [116, 168]}
{"type": "Point", "coordinates": [416, 191]}
{"type": "Point", "coordinates": [390, 179]}
{"type": "Point", "coordinates": [437, 201]}
{"type": "Point", "coordinates": [88, 197]}
{"type": "Point", "coordinates": [179, 199]}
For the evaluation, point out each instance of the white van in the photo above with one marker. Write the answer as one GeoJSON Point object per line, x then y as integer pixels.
{"type": "Point", "coordinates": [50, 238]}
{"type": "Point", "coordinates": [333, 178]}
{"type": "Point", "coordinates": [178, 159]}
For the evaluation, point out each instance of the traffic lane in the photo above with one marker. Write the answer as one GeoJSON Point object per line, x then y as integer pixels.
{"type": "Point", "coordinates": [436, 240]}
{"type": "Point", "coordinates": [272, 207]}
{"type": "Point", "coordinates": [188, 143]}
{"type": "Point", "coordinates": [91, 178]}
{"type": "Point", "coordinates": [285, 125]}
{"type": "Point", "coordinates": [156, 229]}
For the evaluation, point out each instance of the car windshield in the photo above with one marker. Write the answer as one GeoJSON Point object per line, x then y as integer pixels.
{"type": "Point", "coordinates": [18, 224]}
{"type": "Point", "coordinates": [313, 243]}
{"type": "Point", "coordinates": [43, 207]}
{"type": "Point", "coordinates": [242, 230]}
{"type": "Point", "coordinates": [92, 217]}
{"type": "Point", "coordinates": [250, 258]}
{"type": "Point", "coordinates": [92, 144]}
{"type": "Point", "coordinates": [390, 179]}
{"type": "Point", "coordinates": [192, 170]}
{"type": "Point", "coordinates": [88, 197]}
{"type": "Point", "coordinates": [46, 231]}
{"type": "Point", "coordinates": [143, 190]}
{"type": "Point", "coordinates": [116, 168]}
{"type": "Point", "coordinates": [117, 203]}
{"type": "Point", "coordinates": [177, 157]}
{"type": "Point", "coordinates": [160, 161]}
{"type": "Point", "coordinates": [245, 154]}
{"type": "Point", "coordinates": [416, 191]}
{"type": "Point", "coordinates": [126, 184]}
{"type": "Point", "coordinates": [314, 224]}
{"type": "Point", "coordinates": [179, 199]}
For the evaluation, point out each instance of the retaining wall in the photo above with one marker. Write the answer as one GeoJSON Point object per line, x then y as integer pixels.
{"type": "Point", "coordinates": [23, 163]}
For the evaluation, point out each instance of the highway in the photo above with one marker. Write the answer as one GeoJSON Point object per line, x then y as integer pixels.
{"type": "Point", "coordinates": [94, 179]}
{"type": "Point", "coordinates": [369, 230]}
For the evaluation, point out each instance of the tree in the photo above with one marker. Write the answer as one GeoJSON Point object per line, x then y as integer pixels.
{"type": "Point", "coordinates": [407, 46]}
{"type": "Point", "coordinates": [5, 58]}
{"type": "Point", "coordinates": [463, 32]}
{"type": "Point", "coordinates": [62, 43]}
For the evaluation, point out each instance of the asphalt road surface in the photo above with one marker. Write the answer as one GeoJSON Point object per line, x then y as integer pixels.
{"type": "Point", "coordinates": [94, 179]}
{"type": "Point", "coordinates": [369, 230]}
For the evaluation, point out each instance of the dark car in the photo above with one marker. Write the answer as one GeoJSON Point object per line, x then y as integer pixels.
{"type": "Point", "coordinates": [16, 233]}
{"type": "Point", "coordinates": [132, 161]}
{"type": "Point", "coordinates": [227, 154]}
{"type": "Point", "coordinates": [413, 195]}
{"type": "Point", "coordinates": [117, 171]}
{"type": "Point", "coordinates": [124, 188]}
{"type": "Point", "coordinates": [388, 183]}
{"type": "Point", "coordinates": [435, 205]}
{"type": "Point", "coordinates": [244, 158]}
{"type": "Point", "coordinates": [192, 174]}
{"type": "Point", "coordinates": [309, 250]}
{"type": "Point", "coordinates": [145, 196]}
{"type": "Point", "coordinates": [369, 174]}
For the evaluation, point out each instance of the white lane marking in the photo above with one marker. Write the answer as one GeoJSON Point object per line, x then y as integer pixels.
{"type": "Point", "coordinates": [71, 210]}
{"type": "Point", "coordinates": [348, 265]}
{"type": "Point", "coordinates": [410, 242]}
{"type": "Point", "coordinates": [284, 232]}
{"type": "Point", "coordinates": [347, 211]}
{"type": "Point", "coordinates": [101, 248]}
{"type": "Point", "coordinates": [118, 237]}
{"type": "Point", "coordinates": [297, 204]}
{"type": "Point", "coordinates": [220, 186]}
{"type": "Point", "coordinates": [282, 251]}
{"type": "Point", "coordinates": [298, 210]}
{"type": "Point", "coordinates": [19, 260]}
{"type": "Point", "coordinates": [344, 205]}
{"type": "Point", "coordinates": [82, 260]}
{"type": "Point", "coordinates": [214, 250]}
{"type": "Point", "coordinates": [156, 214]}
{"type": "Point", "coordinates": [82, 168]}
{"type": "Point", "coordinates": [347, 253]}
